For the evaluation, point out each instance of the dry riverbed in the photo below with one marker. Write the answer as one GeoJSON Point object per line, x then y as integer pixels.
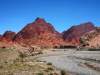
{"type": "Point", "coordinates": [14, 63]}
{"type": "Point", "coordinates": [74, 62]}
{"type": "Point", "coordinates": [51, 62]}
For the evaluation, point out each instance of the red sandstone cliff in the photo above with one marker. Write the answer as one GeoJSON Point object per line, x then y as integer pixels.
{"type": "Point", "coordinates": [73, 34]}
{"type": "Point", "coordinates": [39, 33]}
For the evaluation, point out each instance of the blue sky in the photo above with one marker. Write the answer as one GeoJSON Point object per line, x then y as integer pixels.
{"type": "Point", "coordinates": [62, 14]}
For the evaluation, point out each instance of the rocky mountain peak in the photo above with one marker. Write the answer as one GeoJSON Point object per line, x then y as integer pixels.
{"type": "Point", "coordinates": [73, 34]}
{"type": "Point", "coordinates": [39, 33]}
{"type": "Point", "coordinates": [40, 20]}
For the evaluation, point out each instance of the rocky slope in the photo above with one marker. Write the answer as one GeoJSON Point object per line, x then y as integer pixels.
{"type": "Point", "coordinates": [6, 39]}
{"type": "Point", "coordinates": [91, 39]}
{"type": "Point", "coordinates": [39, 33]}
{"type": "Point", "coordinates": [8, 35]}
{"type": "Point", "coordinates": [73, 34]}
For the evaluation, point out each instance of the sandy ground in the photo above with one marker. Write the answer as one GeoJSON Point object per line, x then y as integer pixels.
{"type": "Point", "coordinates": [75, 62]}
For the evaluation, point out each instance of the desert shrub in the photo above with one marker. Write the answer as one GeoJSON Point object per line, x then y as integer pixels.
{"type": "Point", "coordinates": [54, 73]}
{"type": "Point", "coordinates": [3, 47]}
{"type": "Point", "coordinates": [1, 66]}
{"type": "Point", "coordinates": [40, 73]}
{"type": "Point", "coordinates": [93, 49]}
{"type": "Point", "coordinates": [63, 72]}
{"type": "Point", "coordinates": [50, 68]}
{"type": "Point", "coordinates": [51, 74]}
{"type": "Point", "coordinates": [22, 55]}
{"type": "Point", "coordinates": [5, 62]}
{"type": "Point", "coordinates": [40, 52]}
{"type": "Point", "coordinates": [9, 73]}
{"type": "Point", "coordinates": [49, 63]}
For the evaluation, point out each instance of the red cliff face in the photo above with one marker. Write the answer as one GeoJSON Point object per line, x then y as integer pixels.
{"type": "Point", "coordinates": [8, 36]}
{"type": "Point", "coordinates": [0, 36]}
{"type": "Point", "coordinates": [73, 35]}
{"type": "Point", "coordinates": [6, 39]}
{"type": "Point", "coordinates": [39, 33]}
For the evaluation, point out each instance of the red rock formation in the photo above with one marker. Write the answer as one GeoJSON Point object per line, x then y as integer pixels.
{"type": "Point", "coordinates": [0, 36]}
{"type": "Point", "coordinates": [8, 36]}
{"type": "Point", "coordinates": [39, 33]}
{"type": "Point", "coordinates": [73, 35]}
{"type": "Point", "coordinates": [43, 34]}
{"type": "Point", "coordinates": [6, 39]}
{"type": "Point", "coordinates": [91, 39]}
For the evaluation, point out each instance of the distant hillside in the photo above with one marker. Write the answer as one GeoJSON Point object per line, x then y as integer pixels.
{"type": "Point", "coordinates": [43, 34]}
